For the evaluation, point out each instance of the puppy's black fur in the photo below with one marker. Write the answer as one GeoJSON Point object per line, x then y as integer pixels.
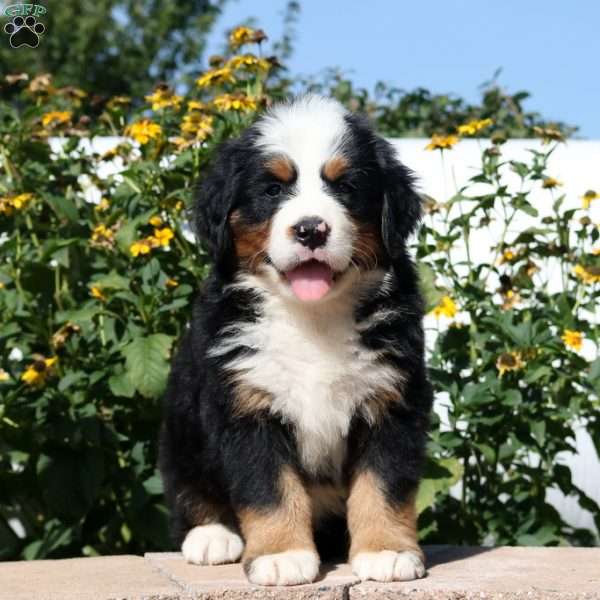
{"type": "Point", "coordinates": [215, 462]}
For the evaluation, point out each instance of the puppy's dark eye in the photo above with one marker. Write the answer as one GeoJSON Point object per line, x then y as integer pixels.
{"type": "Point", "coordinates": [344, 188]}
{"type": "Point", "coordinates": [274, 190]}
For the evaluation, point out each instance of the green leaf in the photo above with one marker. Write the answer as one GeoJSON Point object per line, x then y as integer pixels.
{"type": "Point", "coordinates": [121, 385]}
{"type": "Point", "coordinates": [146, 363]}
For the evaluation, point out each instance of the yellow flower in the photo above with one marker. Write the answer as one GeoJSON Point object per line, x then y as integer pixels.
{"type": "Point", "coordinates": [141, 247]}
{"type": "Point", "coordinates": [197, 125]}
{"type": "Point", "coordinates": [507, 256]}
{"type": "Point", "coordinates": [102, 233]}
{"type": "Point", "coordinates": [56, 117]}
{"type": "Point", "coordinates": [510, 299]}
{"type": "Point", "coordinates": [156, 221]}
{"type": "Point", "coordinates": [472, 127]}
{"type": "Point", "coordinates": [172, 283]}
{"type": "Point", "coordinates": [195, 105]}
{"type": "Point", "coordinates": [238, 102]}
{"type": "Point", "coordinates": [446, 307]}
{"type": "Point", "coordinates": [60, 337]}
{"type": "Point", "coordinates": [216, 77]}
{"type": "Point", "coordinates": [179, 205]}
{"type": "Point", "coordinates": [143, 131]}
{"type": "Point", "coordinates": [588, 197]}
{"type": "Point", "coordinates": [509, 361]}
{"type": "Point", "coordinates": [163, 97]}
{"type": "Point", "coordinates": [96, 292]}
{"type": "Point", "coordinates": [441, 142]}
{"type": "Point", "coordinates": [550, 183]}
{"type": "Point", "coordinates": [587, 275]}
{"type": "Point", "coordinates": [248, 62]}
{"type": "Point", "coordinates": [245, 35]}
{"type": "Point", "coordinates": [4, 376]}
{"type": "Point", "coordinates": [163, 236]}
{"type": "Point", "coordinates": [596, 251]}
{"type": "Point", "coordinates": [117, 101]}
{"type": "Point", "coordinates": [102, 206]}
{"type": "Point", "coordinates": [572, 339]}
{"type": "Point", "coordinates": [37, 372]}
{"type": "Point", "coordinates": [8, 203]}
{"type": "Point", "coordinates": [549, 134]}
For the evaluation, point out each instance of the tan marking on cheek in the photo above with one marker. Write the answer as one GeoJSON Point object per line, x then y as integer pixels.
{"type": "Point", "coordinates": [282, 168]}
{"type": "Point", "coordinates": [250, 240]}
{"type": "Point", "coordinates": [335, 167]}
{"type": "Point", "coordinates": [250, 400]}
{"type": "Point", "coordinates": [287, 526]}
{"type": "Point", "coordinates": [368, 248]}
{"type": "Point", "coordinates": [374, 523]}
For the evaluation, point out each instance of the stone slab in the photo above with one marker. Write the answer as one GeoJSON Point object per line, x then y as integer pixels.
{"type": "Point", "coordinates": [97, 578]}
{"type": "Point", "coordinates": [454, 574]}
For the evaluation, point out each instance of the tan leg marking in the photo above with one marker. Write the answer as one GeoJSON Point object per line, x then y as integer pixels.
{"type": "Point", "coordinates": [374, 523]}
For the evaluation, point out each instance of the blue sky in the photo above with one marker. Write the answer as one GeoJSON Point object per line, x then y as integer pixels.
{"type": "Point", "coordinates": [550, 48]}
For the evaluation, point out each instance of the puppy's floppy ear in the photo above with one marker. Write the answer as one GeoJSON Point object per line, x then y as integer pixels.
{"type": "Point", "coordinates": [215, 198]}
{"type": "Point", "coordinates": [401, 210]}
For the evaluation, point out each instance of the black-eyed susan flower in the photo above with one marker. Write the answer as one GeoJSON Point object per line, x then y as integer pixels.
{"type": "Point", "coordinates": [37, 372]}
{"type": "Point", "coordinates": [102, 236]}
{"type": "Point", "coordinates": [216, 77]}
{"type": "Point", "coordinates": [163, 97]}
{"type": "Point", "coordinates": [196, 105]}
{"type": "Point", "coordinates": [509, 361]}
{"type": "Point", "coordinates": [239, 102]}
{"type": "Point", "coordinates": [143, 131]}
{"type": "Point", "coordinates": [197, 125]}
{"type": "Point", "coordinates": [572, 339]}
{"type": "Point", "coordinates": [56, 117]}
{"type": "Point", "coordinates": [17, 202]}
{"type": "Point", "coordinates": [141, 247]}
{"type": "Point", "coordinates": [172, 283]}
{"type": "Point", "coordinates": [118, 101]}
{"type": "Point", "coordinates": [549, 134]}
{"type": "Point", "coordinates": [249, 62]}
{"type": "Point", "coordinates": [442, 142]}
{"type": "Point", "coordinates": [96, 292]}
{"type": "Point", "coordinates": [445, 308]}
{"type": "Point", "coordinates": [472, 127]}
{"type": "Point", "coordinates": [588, 197]}
{"type": "Point", "coordinates": [155, 221]}
{"type": "Point", "coordinates": [163, 237]}
{"type": "Point", "coordinates": [587, 274]}
{"type": "Point", "coordinates": [245, 35]}
{"type": "Point", "coordinates": [550, 183]}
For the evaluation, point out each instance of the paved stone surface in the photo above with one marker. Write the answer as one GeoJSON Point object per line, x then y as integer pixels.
{"type": "Point", "coordinates": [454, 574]}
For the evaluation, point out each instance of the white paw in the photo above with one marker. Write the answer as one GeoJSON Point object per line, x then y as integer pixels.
{"type": "Point", "coordinates": [388, 566]}
{"type": "Point", "coordinates": [212, 545]}
{"type": "Point", "coordinates": [286, 568]}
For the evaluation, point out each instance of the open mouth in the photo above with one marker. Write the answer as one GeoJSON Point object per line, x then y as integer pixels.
{"type": "Point", "coordinates": [311, 280]}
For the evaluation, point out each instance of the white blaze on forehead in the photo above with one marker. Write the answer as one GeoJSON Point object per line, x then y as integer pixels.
{"type": "Point", "coordinates": [308, 130]}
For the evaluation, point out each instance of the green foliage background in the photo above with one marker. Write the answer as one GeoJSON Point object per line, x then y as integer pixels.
{"type": "Point", "coordinates": [78, 434]}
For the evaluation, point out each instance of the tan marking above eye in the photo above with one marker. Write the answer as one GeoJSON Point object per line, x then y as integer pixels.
{"type": "Point", "coordinates": [335, 167]}
{"type": "Point", "coordinates": [282, 168]}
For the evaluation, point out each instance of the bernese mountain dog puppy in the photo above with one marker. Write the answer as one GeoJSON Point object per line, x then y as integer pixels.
{"type": "Point", "coordinates": [298, 402]}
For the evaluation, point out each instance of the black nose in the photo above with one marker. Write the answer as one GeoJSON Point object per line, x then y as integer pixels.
{"type": "Point", "coordinates": [311, 232]}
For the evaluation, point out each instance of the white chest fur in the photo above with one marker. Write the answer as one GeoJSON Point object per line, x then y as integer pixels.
{"type": "Point", "coordinates": [312, 363]}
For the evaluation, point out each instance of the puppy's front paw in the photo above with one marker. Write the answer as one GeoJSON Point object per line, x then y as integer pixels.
{"type": "Point", "coordinates": [212, 545]}
{"type": "Point", "coordinates": [285, 568]}
{"type": "Point", "coordinates": [388, 565]}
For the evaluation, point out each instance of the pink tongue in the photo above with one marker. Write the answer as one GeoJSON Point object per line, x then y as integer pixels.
{"type": "Point", "coordinates": [310, 281]}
